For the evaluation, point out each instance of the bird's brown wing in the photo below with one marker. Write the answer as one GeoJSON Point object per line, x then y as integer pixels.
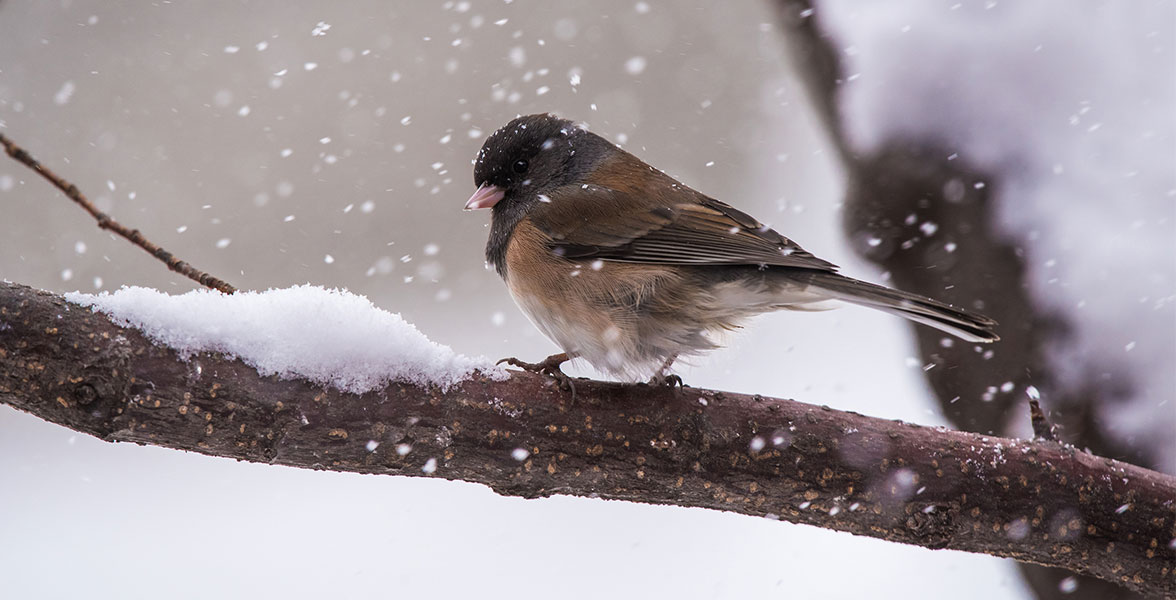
{"type": "Point", "coordinates": [595, 222]}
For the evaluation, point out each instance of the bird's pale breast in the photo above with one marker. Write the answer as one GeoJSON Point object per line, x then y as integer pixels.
{"type": "Point", "coordinates": [606, 312]}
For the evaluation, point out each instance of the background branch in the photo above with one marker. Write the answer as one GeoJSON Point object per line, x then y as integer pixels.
{"type": "Point", "coordinates": [933, 179]}
{"type": "Point", "coordinates": [1036, 502]}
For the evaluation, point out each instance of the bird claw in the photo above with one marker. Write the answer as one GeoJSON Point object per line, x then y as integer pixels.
{"type": "Point", "coordinates": [663, 376]}
{"type": "Point", "coordinates": [548, 366]}
{"type": "Point", "coordinates": [669, 380]}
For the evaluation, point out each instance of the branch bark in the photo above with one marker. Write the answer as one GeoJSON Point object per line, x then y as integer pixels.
{"type": "Point", "coordinates": [1037, 502]}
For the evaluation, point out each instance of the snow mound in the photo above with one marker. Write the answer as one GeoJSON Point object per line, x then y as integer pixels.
{"type": "Point", "coordinates": [328, 336]}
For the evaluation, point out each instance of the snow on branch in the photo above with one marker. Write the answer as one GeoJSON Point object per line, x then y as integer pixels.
{"type": "Point", "coordinates": [1038, 502]}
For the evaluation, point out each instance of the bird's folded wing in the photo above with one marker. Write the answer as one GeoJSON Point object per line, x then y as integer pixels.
{"type": "Point", "coordinates": [595, 222]}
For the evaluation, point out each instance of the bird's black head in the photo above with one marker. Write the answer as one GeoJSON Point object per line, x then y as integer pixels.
{"type": "Point", "coordinates": [522, 162]}
{"type": "Point", "coordinates": [529, 156]}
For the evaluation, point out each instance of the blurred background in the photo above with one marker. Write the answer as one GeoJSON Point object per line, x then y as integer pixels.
{"type": "Point", "coordinates": [273, 144]}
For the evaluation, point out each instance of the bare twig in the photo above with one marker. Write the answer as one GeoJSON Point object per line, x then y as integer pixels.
{"type": "Point", "coordinates": [1042, 428]}
{"type": "Point", "coordinates": [106, 222]}
{"type": "Point", "coordinates": [1035, 502]}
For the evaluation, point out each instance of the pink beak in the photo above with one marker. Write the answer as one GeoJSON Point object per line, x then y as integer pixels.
{"type": "Point", "coordinates": [486, 197]}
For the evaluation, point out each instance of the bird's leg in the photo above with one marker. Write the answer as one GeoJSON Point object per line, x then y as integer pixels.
{"type": "Point", "coordinates": [548, 366]}
{"type": "Point", "coordinates": [664, 377]}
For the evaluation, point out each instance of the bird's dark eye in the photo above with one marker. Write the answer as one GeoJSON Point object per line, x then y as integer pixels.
{"type": "Point", "coordinates": [520, 166]}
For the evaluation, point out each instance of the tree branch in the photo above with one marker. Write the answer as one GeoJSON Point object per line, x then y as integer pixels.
{"type": "Point", "coordinates": [1037, 502]}
{"type": "Point", "coordinates": [107, 222]}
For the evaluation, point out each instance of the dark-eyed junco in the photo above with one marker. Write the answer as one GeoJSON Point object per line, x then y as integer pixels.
{"type": "Point", "coordinates": [629, 269]}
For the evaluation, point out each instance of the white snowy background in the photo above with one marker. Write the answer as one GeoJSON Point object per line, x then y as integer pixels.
{"type": "Point", "coordinates": [1073, 105]}
{"type": "Point", "coordinates": [275, 145]}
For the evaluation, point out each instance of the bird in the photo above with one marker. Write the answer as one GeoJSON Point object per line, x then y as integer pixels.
{"type": "Point", "coordinates": [625, 267]}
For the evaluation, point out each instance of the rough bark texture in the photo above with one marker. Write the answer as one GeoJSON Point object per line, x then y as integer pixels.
{"type": "Point", "coordinates": [926, 178]}
{"type": "Point", "coordinates": [1033, 501]}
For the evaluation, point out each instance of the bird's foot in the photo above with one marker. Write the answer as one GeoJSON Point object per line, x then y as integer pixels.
{"type": "Point", "coordinates": [669, 380]}
{"type": "Point", "coordinates": [663, 376]}
{"type": "Point", "coordinates": [548, 366]}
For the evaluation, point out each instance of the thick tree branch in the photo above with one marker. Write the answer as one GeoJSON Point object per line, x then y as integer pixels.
{"type": "Point", "coordinates": [1037, 502]}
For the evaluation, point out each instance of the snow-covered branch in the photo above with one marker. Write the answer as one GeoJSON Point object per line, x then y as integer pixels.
{"type": "Point", "coordinates": [1033, 501]}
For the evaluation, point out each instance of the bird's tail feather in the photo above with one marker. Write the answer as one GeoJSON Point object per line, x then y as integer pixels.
{"type": "Point", "coordinates": [961, 323]}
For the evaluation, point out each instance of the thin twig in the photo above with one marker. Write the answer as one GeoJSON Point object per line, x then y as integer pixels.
{"type": "Point", "coordinates": [106, 222]}
{"type": "Point", "coordinates": [1042, 428]}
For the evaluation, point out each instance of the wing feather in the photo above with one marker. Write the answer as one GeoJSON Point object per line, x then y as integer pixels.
{"type": "Point", "coordinates": [614, 225]}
